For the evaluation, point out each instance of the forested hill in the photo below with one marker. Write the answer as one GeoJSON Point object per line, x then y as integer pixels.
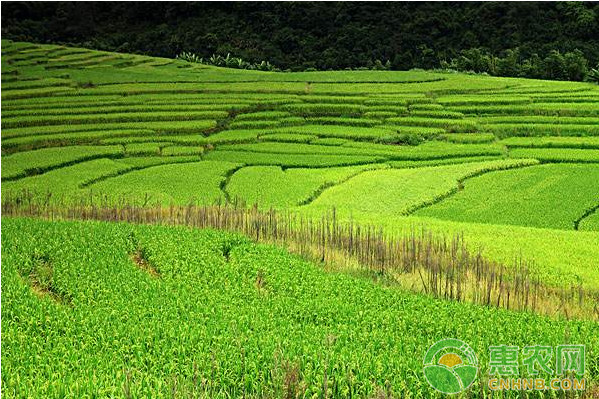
{"type": "Point", "coordinates": [501, 38]}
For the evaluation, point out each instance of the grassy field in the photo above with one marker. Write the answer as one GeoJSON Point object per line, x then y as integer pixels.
{"type": "Point", "coordinates": [155, 311]}
{"type": "Point", "coordinates": [567, 189]}
{"type": "Point", "coordinates": [511, 165]}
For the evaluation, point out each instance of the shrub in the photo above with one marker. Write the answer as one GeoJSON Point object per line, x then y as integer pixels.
{"type": "Point", "coordinates": [226, 62]}
{"type": "Point", "coordinates": [593, 75]}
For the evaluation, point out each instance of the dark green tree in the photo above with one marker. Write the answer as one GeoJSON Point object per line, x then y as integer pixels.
{"type": "Point", "coordinates": [575, 65]}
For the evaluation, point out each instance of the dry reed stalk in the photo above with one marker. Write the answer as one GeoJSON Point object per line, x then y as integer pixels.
{"type": "Point", "coordinates": [445, 268]}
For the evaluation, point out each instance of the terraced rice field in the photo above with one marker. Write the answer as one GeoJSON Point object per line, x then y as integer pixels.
{"type": "Point", "coordinates": [563, 189]}
{"type": "Point", "coordinates": [512, 164]}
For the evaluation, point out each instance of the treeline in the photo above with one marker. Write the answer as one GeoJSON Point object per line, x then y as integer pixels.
{"type": "Point", "coordinates": [556, 66]}
{"type": "Point", "coordinates": [555, 40]}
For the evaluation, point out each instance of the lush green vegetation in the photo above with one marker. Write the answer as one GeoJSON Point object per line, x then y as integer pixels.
{"type": "Point", "coordinates": [272, 186]}
{"type": "Point", "coordinates": [336, 124]}
{"type": "Point", "coordinates": [557, 154]}
{"type": "Point", "coordinates": [545, 40]}
{"type": "Point", "coordinates": [174, 182]}
{"type": "Point", "coordinates": [591, 222]}
{"type": "Point", "coordinates": [567, 190]}
{"type": "Point", "coordinates": [550, 142]}
{"type": "Point", "coordinates": [509, 165]}
{"type": "Point", "coordinates": [401, 191]}
{"type": "Point", "coordinates": [69, 179]}
{"type": "Point", "coordinates": [123, 310]}
{"type": "Point", "coordinates": [36, 162]}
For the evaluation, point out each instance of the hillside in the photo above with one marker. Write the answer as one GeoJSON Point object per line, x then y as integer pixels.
{"type": "Point", "coordinates": [500, 172]}
{"type": "Point", "coordinates": [76, 121]}
{"type": "Point", "coordinates": [525, 39]}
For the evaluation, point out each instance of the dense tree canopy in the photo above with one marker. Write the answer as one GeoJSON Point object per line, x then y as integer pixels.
{"type": "Point", "coordinates": [553, 40]}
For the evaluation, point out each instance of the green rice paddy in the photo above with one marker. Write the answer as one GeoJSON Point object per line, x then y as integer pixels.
{"type": "Point", "coordinates": [510, 164]}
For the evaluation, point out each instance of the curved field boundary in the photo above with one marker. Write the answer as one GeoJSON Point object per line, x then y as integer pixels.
{"type": "Point", "coordinates": [292, 161]}
{"type": "Point", "coordinates": [78, 155]}
{"type": "Point", "coordinates": [417, 164]}
{"type": "Point", "coordinates": [585, 215]}
{"type": "Point", "coordinates": [328, 185]}
{"type": "Point", "coordinates": [122, 108]}
{"type": "Point", "coordinates": [395, 192]}
{"type": "Point", "coordinates": [327, 181]}
{"type": "Point", "coordinates": [173, 160]}
{"type": "Point", "coordinates": [31, 143]}
{"type": "Point", "coordinates": [40, 171]}
{"type": "Point", "coordinates": [99, 119]}
{"type": "Point", "coordinates": [223, 185]}
{"type": "Point", "coordinates": [460, 183]}
{"type": "Point", "coordinates": [169, 183]}
{"type": "Point", "coordinates": [548, 196]}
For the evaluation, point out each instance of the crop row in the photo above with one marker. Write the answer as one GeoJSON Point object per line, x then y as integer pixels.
{"type": "Point", "coordinates": [487, 100]}
{"type": "Point", "coordinates": [29, 121]}
{"type": "Point", "coordinates": [436, 114]}
{"type": "Point", "coordinates": [36, 92]}
{"type": "Point", "coordinates": [429, 150]}
{"type": "Point", "coordinates": [59, 101]}
{"type": "Point", "coordinates": [451, 125]}
{"type": "Point", "coordinates": [545, 109]}
{"type": "Point", "coordinates": [537, 119]}
{"type": "Point", "coordinates": [288, 137]}
{"type": "Point", "coordinates": [421, 163]}
{"type": "Point", "coordinates": [271, 186]}
{"type": "Point", "coordinates": [453, 86]}
{"type": "Point", "coordinates": [568, 155]}
{"type": "Point", "coordinates": [193, 126]}
{"type": "Point", "coordinates": [402, 191]}
{"type": "Point", "coordinates": [467, 138]}
{"type": "Point", "coordinates": [38, 161]}
{"type": "Point", "coordinates": [166, 149]}
{"type": "Point", "coordinates": [266, 124]}
{"type": "Point", "coordinates": [186, 139]}
{"type": "Point", "coordinates": [544, 129]}
{"type": "Point", "coordinates": [75, 112]}
{"type": "Point", "coordinates": [261, 324]}
{"type": "Point", "coordinates": [555, 142]}
{"type": "Point", "coordinates": [543, 88]}
{"type": "Point", "coordinates": [73, 138]}
{"type": "Point", "coordinates": [323, 109]}
{"type": "Point", "coordinates": [348, 132]}
{"type": "Point", "coordinates": [263, 115]}
{"type": "Point", "coordinates": [567, 190]}
{"type": "Point", "coordinates": [35, 84]}
{"type": "Point", "coordinates": [289, 160]}
{"type": "Point", "coordinates": [330, 120]}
